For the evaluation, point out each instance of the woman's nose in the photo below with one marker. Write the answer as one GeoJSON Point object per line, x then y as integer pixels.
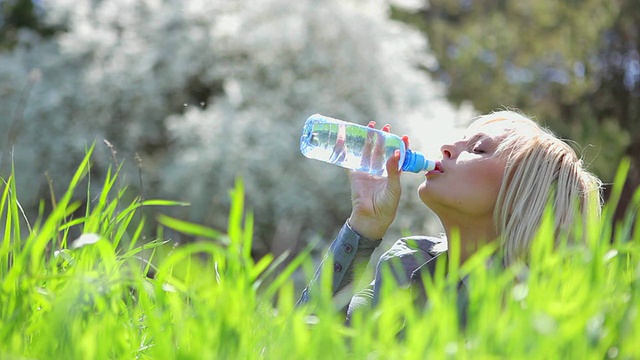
{"type": "Point", "coordinates": [448, 151]}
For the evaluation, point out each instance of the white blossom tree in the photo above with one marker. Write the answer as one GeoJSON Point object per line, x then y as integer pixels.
{"type": "Point", "coordinates": [206, 91]}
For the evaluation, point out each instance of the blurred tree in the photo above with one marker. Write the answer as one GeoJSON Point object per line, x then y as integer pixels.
{"type": "Point", "coordinates": [205, 91]}
{"type": "Point", "coordinates": [574, 65]}
{"type": "Point", "coordinates": [20, 14]}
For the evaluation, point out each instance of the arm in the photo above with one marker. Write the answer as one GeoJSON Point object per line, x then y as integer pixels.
{"type": "Point", "coordinates": [348, 251]}
{"type": "Point", "coordinates": [374, 203]}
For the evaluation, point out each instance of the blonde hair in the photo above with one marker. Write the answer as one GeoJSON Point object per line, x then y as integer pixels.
{"type": "Point", "coordinates": [541, 169]}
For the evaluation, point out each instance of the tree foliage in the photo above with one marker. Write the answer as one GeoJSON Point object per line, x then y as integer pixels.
{"type": "Point", "coordinates": [16, 15]}
{"type": "Point", "coordinates": [574, 65]}
{"type": "Point", "coordinates": [207, 91]}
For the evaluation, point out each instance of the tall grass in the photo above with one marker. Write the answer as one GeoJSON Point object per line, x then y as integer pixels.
{"type": "Point", "coordinates": [95, 296]}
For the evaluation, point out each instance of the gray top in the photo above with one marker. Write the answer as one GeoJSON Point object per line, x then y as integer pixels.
{"type": "Point", "coordinates": [408, 259]}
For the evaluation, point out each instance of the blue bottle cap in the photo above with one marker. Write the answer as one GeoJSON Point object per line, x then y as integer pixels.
{"type": "Point", "coordinates": [415, 161]}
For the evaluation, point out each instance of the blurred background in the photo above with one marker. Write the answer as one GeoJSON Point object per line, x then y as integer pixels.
{"type": "Point", "coordinates": [189, 95]}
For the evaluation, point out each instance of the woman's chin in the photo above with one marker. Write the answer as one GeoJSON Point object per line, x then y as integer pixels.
{"type": "Point", "coordinates": [425, 193]}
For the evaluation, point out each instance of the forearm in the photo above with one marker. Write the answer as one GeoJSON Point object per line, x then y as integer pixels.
{"type": "Point", "coordinates": [347, 252]}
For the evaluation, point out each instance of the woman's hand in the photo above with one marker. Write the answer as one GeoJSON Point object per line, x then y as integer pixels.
{"type": "Point", "coordinates": [375, 199]}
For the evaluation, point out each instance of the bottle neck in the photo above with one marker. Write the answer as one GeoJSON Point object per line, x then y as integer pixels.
{"type": "Point", "coordinates": [414, 161]}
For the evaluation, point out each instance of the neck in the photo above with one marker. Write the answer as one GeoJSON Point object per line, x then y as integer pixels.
{"type": "Point", "coordinates": [473, 234]}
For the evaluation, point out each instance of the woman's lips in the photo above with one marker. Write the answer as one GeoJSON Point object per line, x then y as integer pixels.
{"type": "Point", "coordinates": [437, 170]}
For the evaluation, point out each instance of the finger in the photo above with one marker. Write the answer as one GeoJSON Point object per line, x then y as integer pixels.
{"type": "Point", "coordinates": [339, 149]}
{"type": "Point", "coordinates": [369, 142]}
{"type": "Point", "coordinates": [405, 139]}
{"type": "Point", "coordinates": [393, 170]}
{"type": "Point", "coordinates": [386, 128]}
{"type": "Point", "coordinates": [378, 152]}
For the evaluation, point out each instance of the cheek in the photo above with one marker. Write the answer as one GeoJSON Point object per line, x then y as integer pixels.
{"type": "Point", "coordinates": [486, 182]}
{"type": "Point", "coordinates": [488, 177]}
{"type": "Point", "coordinates": [473, 189]}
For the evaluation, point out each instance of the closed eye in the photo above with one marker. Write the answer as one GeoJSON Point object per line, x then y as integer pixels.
{"type": "Point", "coordinates": [480, 143]}
{"type": "Point", "coordinates": [476, 147]}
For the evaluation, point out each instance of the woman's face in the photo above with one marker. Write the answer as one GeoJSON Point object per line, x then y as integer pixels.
{"type": "Point", "coordinates": [470, 174]}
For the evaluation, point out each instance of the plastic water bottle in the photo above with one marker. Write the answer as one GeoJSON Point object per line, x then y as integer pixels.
{"type": "Point", "coordinates": [357, 147]}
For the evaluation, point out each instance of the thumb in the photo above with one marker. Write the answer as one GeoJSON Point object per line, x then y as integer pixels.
{"type": "Point", "coordinates": [393, 165]}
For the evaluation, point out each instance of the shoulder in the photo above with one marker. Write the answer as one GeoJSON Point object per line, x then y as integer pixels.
{"type": "Point", "coordinates": [424, 247]}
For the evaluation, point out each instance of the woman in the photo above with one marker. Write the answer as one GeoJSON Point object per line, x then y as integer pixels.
{"type": "Point", "coordinates": [493, 184]}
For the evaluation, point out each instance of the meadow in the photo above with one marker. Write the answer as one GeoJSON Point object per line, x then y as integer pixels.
{"type": "Point", "coordinates": [99, 286]}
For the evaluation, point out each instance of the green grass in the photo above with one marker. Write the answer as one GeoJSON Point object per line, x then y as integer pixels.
{"type": "Point", "coordinates": [112, 293]}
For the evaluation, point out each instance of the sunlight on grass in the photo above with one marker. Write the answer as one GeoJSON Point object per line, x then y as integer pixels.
{"type": "Point", "coordinates": [89, 287]}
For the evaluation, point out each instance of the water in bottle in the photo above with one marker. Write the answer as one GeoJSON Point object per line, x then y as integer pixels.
{"type": "Point", "coordinates": [357, 147]}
